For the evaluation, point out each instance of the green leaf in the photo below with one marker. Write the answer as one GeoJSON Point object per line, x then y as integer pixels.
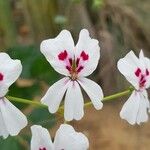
{"type": "Point", "coordinates": [11, 143]}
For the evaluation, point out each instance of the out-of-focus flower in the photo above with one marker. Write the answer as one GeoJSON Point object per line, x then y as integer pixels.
{"type": "Point", "coordinates": [137, 72]}
{"type": "Point", "coordinates": [66, 139]}
{"type": "Point", "coordinates": [12, 120]}
{"type": "Point", "coordinates": [75, 62]}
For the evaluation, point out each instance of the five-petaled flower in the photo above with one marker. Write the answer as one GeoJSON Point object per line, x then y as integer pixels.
{"type": "Point", "coordinates": [66, 139]}
{"type": "Point", "coordinates": [12, 120]}
{"type": "Point", "coordinates": [75, 62]}
{"type": "Point", "coordinates": [137, 72]}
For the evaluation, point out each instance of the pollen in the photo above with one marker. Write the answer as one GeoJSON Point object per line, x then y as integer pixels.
{"type": "Point", "coordinates": [1, 77]}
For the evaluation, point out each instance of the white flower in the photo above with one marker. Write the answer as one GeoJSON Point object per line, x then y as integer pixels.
{"type": "Point", "coordinates": [66, 139]}
{"type": "Point", "coordinates": [75, 62]}
{"type": "Point", "coordinates": [137, 72]}
{"type": "Point", "coordinates": [12, 120]}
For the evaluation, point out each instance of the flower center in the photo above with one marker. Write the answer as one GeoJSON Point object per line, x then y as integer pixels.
{"type": "Point", "coordinates": [73, 65]}
{"type": "Point", "coordinates": [142, 76]}
{"type": "Point", "coordinates": [1, 77]}
{"type": "Point", "coordinates": [42, 148]}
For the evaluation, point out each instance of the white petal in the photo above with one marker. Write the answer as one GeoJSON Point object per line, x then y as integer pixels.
{"type": "Point", "coordinates": [51, 48]}
{"type": "Point", "coordinates": [55, 93]}
{"type": "Point", "coordinates": [68, 139]}
{"type": "Point", "coordinates": [73, 102]}
{"type": "Point", "coordinates": [143, 108]}
{"type": "Point", "coordinates": [127, 66]}
{"type": "Point", "coordinates": [13, 119]}
{"type": "Point", "coordinates": [135, 109]}
{"type": "Point", "coordinates": [10, 69]}
{"type": "Point", "coordinates": [3, 130]}
{"type": "Point", "coordinates": [40, 138]}
{"type": "Point", "coordinates": [91, 48]}
{"type": "Point", "coordinates": [93, 90]}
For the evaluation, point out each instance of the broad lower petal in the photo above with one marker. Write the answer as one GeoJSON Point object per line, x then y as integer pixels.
{"type": "Point", "coordinates": [55, 93]}
{"type": "Point", "coordinates": [93, 90]}
{"type": "Point", "coordinates": [68, 139]}
{"type": "Point", "coordinates": [135, 108]}
{"type": "Point", "coordinates": [13, 119]}
{"type": "Point", "coordinates": [73, 107]}
{"type": "Point", "coordinates": [41, 139]}
{"type": "Point", "coordinates": [88, 52]}
{"type": "Point", "coordinates": [58, 51]}
{"type": "Point", "coordinates": [9, 72]}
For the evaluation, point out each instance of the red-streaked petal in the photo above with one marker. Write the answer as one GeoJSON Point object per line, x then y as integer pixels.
{"type": "Point", "coordinates": [41, 138]}
{"type": "Point", "coordinates": [58, 51]}
{"type": "Point", "coordinates": [88, 51]}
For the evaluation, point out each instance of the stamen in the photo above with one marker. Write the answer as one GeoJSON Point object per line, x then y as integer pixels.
{"type": "Point", "coordinates": [1, 77]}
{"type": "Point", "coordinates": [63, 55]}
{"type": "Point", "coordinates": [68, 68]}
{"type": "Point", "coordinates": [77, 62]}
{"type": "Point", "coordinates": [70, 61]}
{"type": "Point", "coordinates": [80, 68]}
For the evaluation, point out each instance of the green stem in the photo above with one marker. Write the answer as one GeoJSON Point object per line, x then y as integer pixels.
{"type": "Point", "coordinates": [36, 103]}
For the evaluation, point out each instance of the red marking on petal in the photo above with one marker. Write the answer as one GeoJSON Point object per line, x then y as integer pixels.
{"type": "Point", "coordinates": [80, 68]}
{"type": "Point", "coordinates": [137, 72]}
{"type": "Point", "coordinates": [42, 148]}
{"type": "Point", "coordinates": [1, 77]}
{"type": "Point", "coordinates": [147, 72]}
{"type": "Point", "coordinates": [84, 56]}
{"type": "Point", "coordinates": [63, 55]}
{"type": "Point", "coordinates": [77, 62]}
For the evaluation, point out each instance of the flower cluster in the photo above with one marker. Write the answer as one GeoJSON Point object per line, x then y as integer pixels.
{"type": "Point", "coordinates": [75, 62]}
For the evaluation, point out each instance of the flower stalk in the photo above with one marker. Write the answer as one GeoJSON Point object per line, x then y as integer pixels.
{"type": "Point", "coordinates": [61, 109]}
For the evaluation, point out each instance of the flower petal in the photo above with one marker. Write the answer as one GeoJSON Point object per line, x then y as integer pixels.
{"type": "Point", "coordinates": [93, 90]}
{"type": "Point", "coordinates": [73, 102]}
{"type": "Point", "coordinates": [55, 93]}
{"type": "Point", "coordinates": [40, 138]}
{"type": "Point", "coordinates": [127, 66]}
{"type": "Point", "coordinates": [10, 69]}
{"type": "Point", "coordinates": [67, 138]}
{"type": "Point", "coordinates": [13, 119]}
{"type": "Point", "coordinates": [3, 130]}
{"type": "Point", "coordinates": [135, 108]}
{"type": "Point", "coordinates": [52, 48]}
{"type": "Point", "coordinates": [91, 53]}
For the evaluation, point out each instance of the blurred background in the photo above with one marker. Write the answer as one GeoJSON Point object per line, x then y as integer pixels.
{"type": "Point", "coordinates": [119, 25]}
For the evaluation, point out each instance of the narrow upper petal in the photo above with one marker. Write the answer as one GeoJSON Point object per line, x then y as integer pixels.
{"type": "Point", "coordinates": [73, 102]}
{"type": "Point", "coordinates": [93, 90]}
{"type": "Point", "coordinates": [41, 139]}
{"type": "Point", "coordinates": [68, 139]}
{"type": "Point", "coordinates": [55, 93]}
{"type": "Point", "coordinates": [88, 52]}
{"type": "Point", "coordinates": [13, 119]}
{"type": "Point", "coordinates": [58, 50]}
{"type": "Point", "coordinates": [127, 66]}
{"type": "Point", "coordinates": [136, 107]}
{"type": "Point", "coordinates": [10, 70]}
